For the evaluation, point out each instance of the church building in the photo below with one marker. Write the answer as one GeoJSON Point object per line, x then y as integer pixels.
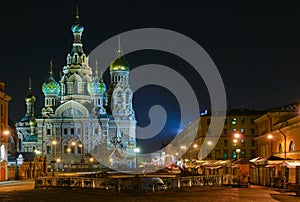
{"type": "Point", "coordinates": [82, 121]}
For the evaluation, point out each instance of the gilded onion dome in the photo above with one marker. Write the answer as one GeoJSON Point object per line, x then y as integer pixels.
{"type": "Point", "coordinates": [32, 122]}
{"type": "Point", "coordinates": [120, 64]}
{"type": "Point", "coordinates": [51, 87]}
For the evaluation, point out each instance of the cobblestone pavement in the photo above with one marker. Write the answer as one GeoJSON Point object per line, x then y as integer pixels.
{"type": "Point", "coordinates": [255, 193]}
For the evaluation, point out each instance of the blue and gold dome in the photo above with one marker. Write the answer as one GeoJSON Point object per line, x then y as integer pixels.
{"type": "Point", "coordinates": [51, 87]}
{"type": "Point", "coordinates": [77, 28]}
{"type": "Point", "coordinates": [96, 87]}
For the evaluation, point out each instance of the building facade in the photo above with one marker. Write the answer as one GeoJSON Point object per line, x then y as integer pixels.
{"type": "Point", "coordinates": [82, 121]}
{"type": "Point", "coordinates": [235, 142]}
{"type": "Point", "coordinates": [4, 131]}
{"type": "Point", "coordinates": [278, 147]}
{"type": "Point", "coordinates": [278, 131]}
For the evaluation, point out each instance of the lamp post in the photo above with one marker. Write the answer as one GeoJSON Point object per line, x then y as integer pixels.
{"type": "Point", "coordinates": [238, 153]}
{"type": "Point", "coordinates": [54, 143]}
{"type": "Point", "coordinates": [270, 137]}
{"type": "Point", "coordinates": [195, 146]}
{"type": "Point", "coordinates": [236, 136]}
{"type": "Point", "coordinates": [91, 163]}
{"type": "Point", "coordinates": [284, 136]}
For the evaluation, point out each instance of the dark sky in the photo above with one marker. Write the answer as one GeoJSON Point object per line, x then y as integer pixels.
{"type": "Point", "coordinates": [254, 46]}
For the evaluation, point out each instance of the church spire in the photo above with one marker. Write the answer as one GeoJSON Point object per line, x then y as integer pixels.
{"type": "Point", "coordinates": [29, 84]}
{"type": "Point", "coordinates": [51, 71]}
{"type": "Point", "coordinates": [30, 100]}
{"type": "Point", "coordinates": [119, 50]}
{"type": "Point", "coordinates": [96, 70]}
{"type": "Point", "coordinates": [77, 14]}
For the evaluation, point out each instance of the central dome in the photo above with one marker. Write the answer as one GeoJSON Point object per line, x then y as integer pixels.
{"type": "Point", "coordinates": [119, 64]}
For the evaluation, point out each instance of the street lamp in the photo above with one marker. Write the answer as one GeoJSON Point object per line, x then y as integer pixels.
{"type": "Point", "coordinates": [236, 135]}
{"type": "Point", "coordinates": [238, 153]}
{"type": "Point", "coordinates": [91, 163]}
{"type": "Point", "coordinates": [54, 143]}
{"type": "Point", "coordinates": [270, 137]}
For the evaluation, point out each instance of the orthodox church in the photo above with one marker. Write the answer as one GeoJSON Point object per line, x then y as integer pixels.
{"type": "Point", "coordinates": [82, 121]}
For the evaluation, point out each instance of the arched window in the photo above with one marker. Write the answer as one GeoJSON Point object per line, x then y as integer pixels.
{"type": "Point", "coordinates": [292, 145]}
{"type": "Point", "coordinates": [280, 148]}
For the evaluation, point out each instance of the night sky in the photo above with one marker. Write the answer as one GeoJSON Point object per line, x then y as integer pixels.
{"type": "Point", "coordinates": [256, 47]}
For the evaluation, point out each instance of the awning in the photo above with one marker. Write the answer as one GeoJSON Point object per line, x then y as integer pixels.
{"type": "Point", "coordinates": [255, 159]}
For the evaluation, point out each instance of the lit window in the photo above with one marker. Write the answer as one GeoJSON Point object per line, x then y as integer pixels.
{"type": "Point", "coordinates": [292, 146]}
{"type": "Point", "coordinates": [242, 130]}
{"type": "Point", "coordinates": [233, 121]}
{"type": "Point", "coordinates": [225, 155]}
{"type": "Point", "coordinates": [48, 149]}
{"type": "Point", "coordinates": [234, 154]}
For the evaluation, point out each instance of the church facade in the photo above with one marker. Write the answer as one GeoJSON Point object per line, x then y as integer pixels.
{"type": "Point", "coordinates": [82, 121]}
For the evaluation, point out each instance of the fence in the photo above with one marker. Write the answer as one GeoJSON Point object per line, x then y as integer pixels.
{"type": "Point", "coordinates": [137, 184]}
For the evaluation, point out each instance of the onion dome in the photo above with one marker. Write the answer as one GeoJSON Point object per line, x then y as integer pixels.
{"type": "Point", "coordinates": [77, 28]}
{"type": "Point", "coordinates": [32, 122]}
{"type": "Point", "coordinates": [29, 97]}
{"type": "Point", "coordinates": [51, 87]}
{"type": "Point", "coordinates": [119, 64]}
{"type": "Point", "coordinates": [96, 87]}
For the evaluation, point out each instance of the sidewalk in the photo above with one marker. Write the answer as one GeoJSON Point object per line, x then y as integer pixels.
{"type": "Point", "coordinates": [279, 194]}
{"type": "Point", "coordinates": [10, 182]}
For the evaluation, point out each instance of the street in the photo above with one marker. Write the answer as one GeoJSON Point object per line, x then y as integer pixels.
{"type": "Point", "coordinates": [24, 191]}
{"type": "Point", "coordinates": [16, 185]}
